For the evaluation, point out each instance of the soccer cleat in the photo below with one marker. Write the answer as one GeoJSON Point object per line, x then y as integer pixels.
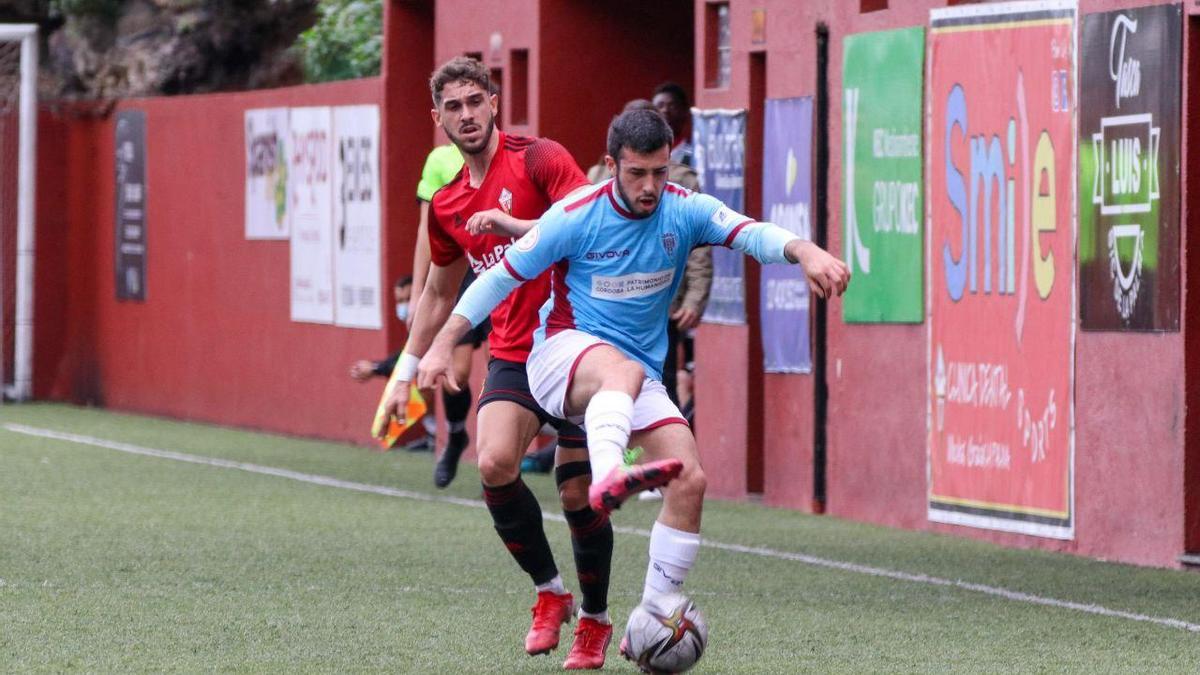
{"type": "Point", "coordinates": [550, 612]}
{"type": "Point", "coordinates": [447, 465]}
{"type": "Point", "coordinates": [591, 641]}
{"type": "Point", "coordinates": [623, 481]}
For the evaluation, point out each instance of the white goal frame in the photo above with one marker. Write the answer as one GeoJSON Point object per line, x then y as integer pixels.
{"type": "Point", "coordinates": [22, 386]}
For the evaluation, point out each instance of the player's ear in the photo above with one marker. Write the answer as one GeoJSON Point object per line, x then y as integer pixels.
{"type": "Point", "coordinates": [495, 101]}
{"type": "Point", "coordinates": [610, 164]}
{"type": "Point", "coordinates": [436, 115]}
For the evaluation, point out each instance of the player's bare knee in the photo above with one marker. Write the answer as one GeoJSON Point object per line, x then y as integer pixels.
{"type": "Point", "coordinates": [495, 467]}
{"type": "Point", "coordinates": [574, 493]}
{"type": "Point", "coordinates": [691, 483]}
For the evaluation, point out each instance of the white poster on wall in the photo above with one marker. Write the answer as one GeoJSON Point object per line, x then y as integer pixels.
{"type": "Point", "coordinates": [310, 207]}
{"type": "Point", "coordinates": [356, 215]}
{"type": "Point", "coordinates": [267, 174]}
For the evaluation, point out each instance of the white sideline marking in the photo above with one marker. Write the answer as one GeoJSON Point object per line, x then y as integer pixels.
{"type": "Point", "coordinates": [327, 481]}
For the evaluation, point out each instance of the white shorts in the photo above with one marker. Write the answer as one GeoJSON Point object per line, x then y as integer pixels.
{"type": "Point", "coordinates": [552, 365]}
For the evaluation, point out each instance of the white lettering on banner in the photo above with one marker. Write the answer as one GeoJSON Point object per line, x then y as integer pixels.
{"type": "Point", "coordinates": [1126, 74]}
{"type": "Point", "coordinates": [895, 206]}
{"type": "Point", "coordinates": [727, 289]}
{"type": "Point", "coordinates": [794, 218]}
{"type": "Point", "coordinates": [977, 454]}
{"type": "Point", "coordinates": [787, 295]}
{"type": "Point", "coordinates": [978, 385]}
{"type": "Point", "coordinates": [886, 145]}
{"type": "Point", "coordinates": [628, 286]}
{"type": "Point", "coordinates": [1035, 430]}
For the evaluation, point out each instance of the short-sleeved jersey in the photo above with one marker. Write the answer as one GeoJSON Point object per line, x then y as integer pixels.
{"type": "Point", "coordinates": [441, 166]}
{"type": "Point", "coordinates": [525, 177]}
{"type": "Point", "coordinates": [620, 272]}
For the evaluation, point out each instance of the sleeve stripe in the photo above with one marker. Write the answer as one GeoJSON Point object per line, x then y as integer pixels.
{"type": "Point", "coordinates": [508, 266]}
{"type": "Point", "coordinates": [734, 233]}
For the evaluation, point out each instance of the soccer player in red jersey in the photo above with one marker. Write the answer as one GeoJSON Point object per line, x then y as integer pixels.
{"type": "Point", "coordinates": [506, 184]}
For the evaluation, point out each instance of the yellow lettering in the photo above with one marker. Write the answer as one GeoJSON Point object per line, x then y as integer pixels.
{"type": "Point", "coordinates": [1044, 213]}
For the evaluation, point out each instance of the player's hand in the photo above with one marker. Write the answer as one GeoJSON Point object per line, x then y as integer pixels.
{"type": "Point", "coordinates": [397, 403]}
{"type": "Point", "coordinates": [827, 275]}
{"type": "Point", "coordinates": [362, 370]}
{"type": "Point", "coordinates": [685, 318]}
{"type": "Point", "coordinates": [437, 367]}
{"type": "Point", "coordinates": [494, 221]}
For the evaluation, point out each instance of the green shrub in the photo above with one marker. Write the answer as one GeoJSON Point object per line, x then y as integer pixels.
{"type": "Point", "coordinates": [345, 43]}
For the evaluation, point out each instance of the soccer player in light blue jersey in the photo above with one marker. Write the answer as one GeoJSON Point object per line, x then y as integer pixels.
{"type": "Point", "coordinates": [617, 250]}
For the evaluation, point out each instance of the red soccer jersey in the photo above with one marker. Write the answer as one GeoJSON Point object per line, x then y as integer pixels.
{"type": "Point", "coordinates": [525, 177]}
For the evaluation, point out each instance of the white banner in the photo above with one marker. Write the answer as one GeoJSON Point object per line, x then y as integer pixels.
{"type": "Point", "coordinates": [266, 174]}
{"type": "Point", "coordinates": [310, 206]}
{"type": "Point", "coordinates": [356, 216]}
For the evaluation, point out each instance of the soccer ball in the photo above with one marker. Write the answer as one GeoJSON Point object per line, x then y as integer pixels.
{"type": "Point", "coordinates": [665, 643]}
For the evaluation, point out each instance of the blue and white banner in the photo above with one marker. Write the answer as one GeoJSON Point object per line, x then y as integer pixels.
{"type": "Point", "coordinates": [787, 202]}
{"type": "Point", "coordinates": [719, 137]}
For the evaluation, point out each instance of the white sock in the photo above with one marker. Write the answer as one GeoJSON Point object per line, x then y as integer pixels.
{"type": "Point", "coordinates": [672, 554]}
{"type": "Point", "coordinates": [601, 617]}
{"type": "Point", "coordinates": [555, 586]}
{"type": "Point", "coordinates": [608, 421]}
{"type": "Point", "coordinates": [430, 424]}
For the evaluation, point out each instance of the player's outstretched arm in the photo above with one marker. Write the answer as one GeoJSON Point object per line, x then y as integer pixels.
{"type": "Point", "coordinates": [480, 298]}
{"type": "Point", "coordinates": [437, 299]}
{"type": "Point", "coordinates": [827, 275]}
{"type": "Point", "coordinates": [495, 221]}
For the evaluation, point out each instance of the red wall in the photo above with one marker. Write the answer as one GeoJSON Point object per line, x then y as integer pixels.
{"type": "Point", "coordinates": [213, 341]}
{"type": "Point", "coordinates": [1130, 388]}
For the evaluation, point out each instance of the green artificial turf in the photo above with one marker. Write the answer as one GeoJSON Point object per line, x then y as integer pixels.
{"type": "Point", "coordinates": [114, 562]}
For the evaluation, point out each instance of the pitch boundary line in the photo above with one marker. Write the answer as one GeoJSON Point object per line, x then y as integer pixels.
{"type": "Point", "coordinates": [764, 552]}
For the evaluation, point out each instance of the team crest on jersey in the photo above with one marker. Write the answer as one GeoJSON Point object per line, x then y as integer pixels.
{"type": "Point", "coordinates": [668, 240]}
{"type": "Point", "coordinates": [506, 200]}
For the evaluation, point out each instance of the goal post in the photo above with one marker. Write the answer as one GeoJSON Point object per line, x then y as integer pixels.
{"type": "Point", "coordinates": [18, 141]}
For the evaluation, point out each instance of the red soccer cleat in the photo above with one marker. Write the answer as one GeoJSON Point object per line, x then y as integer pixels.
{"type": "Point", "coordinates": [624, 481]}
{"type": "Point", "coordinates": [550, 612]}
{"type": "Point", "coordinates": [591, 641]}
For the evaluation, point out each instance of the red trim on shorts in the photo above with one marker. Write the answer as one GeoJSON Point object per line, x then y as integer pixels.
{"type": "Point", "coordinates": [512, 392]}
{"type": "Point", "coordinates": [662, 423]}
{"type": "Point", "coordinates": [733, 235]}
{"type": "Point", "coordinates": [508, 266]}
{"type": "Point", "coordinates": [571, 375]}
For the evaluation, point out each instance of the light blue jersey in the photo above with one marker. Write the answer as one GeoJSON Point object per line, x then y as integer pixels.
{"type": "Point", "coordinates": [615, 274]}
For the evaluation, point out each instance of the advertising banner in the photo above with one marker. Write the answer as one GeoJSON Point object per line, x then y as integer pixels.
{"type": "Point", "coordinates": [787, 202]}
{"type": "Point", "coordinates": [882, 200]}
{"type": "Point", "coordinates": [266, 173]}
{"type": "Point", "coordinates": [1129, 144]}
{"type": "Point", "coordinates": [310, 195]}
{"type": "Point", "coordinates": [356, 216]}
{"type": "Point", "coordinates": [1001, 149]}
{"type": "Point", "coordinates": [719, 138]}
{"type": "Point", "coordinates": [131, 205]}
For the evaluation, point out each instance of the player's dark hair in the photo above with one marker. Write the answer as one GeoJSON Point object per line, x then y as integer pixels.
{"type": "Point", "coordinates": [642, 131]}
{"type": "Point", "coordinates": [676, 91]}
{"type": "Point", "coordinates": [639, 104]}
{"type": "Point", "coordinates": [459, 69]}
{"type": "Point", "coordinates": [403, 281]}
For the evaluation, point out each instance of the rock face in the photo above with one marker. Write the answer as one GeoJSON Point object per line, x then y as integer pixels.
{"type": "Point", "coordinates": [154, 47]}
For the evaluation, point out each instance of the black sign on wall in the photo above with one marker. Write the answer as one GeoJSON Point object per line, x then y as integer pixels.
{"type": "Point", "coordinates": [131, 205]}
{"type": "Point", "coordinates": [1129, 199]}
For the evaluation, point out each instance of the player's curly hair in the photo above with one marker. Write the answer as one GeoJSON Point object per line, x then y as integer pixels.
{"type": "Point", "coordinates": [642, 131]}
{"type": "Point", "coordinates": [458, 69]}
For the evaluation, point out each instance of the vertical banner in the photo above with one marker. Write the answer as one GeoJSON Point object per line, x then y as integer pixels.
{"type": "Point", "coordinates": [719, 138]}
{"type": "Point", "coordinates": [1001, 148]}
{"type": "Point", "coordinates": [266, 173]}
{"type": "Point", "coordinates": [882, 201]}
{"type": "Point", "coordinates": [131, 205]}
{"type": "Point", "coordinates": [310, 191]}
{"type": "Point", "coordinates": [1129, 144]}
{"type": "Point", "coordinates": [787, 202]}
{"type": "Point", "coordinates": [356, 216]}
